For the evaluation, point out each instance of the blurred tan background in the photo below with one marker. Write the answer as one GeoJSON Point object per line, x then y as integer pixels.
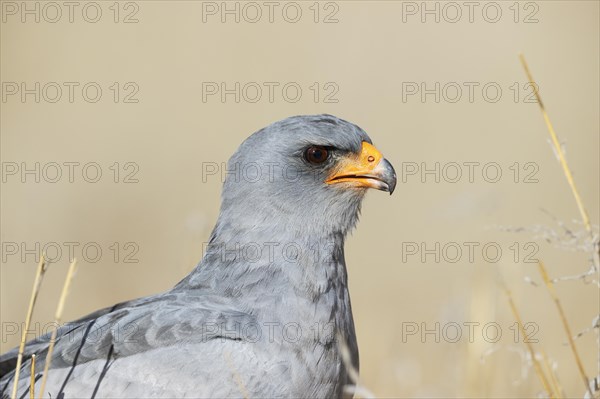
{"type": "Point", "coordinates": [158, 119]}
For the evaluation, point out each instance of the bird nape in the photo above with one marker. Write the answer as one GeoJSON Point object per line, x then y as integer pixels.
{"type": "Point", "coordinates": [266, 313]}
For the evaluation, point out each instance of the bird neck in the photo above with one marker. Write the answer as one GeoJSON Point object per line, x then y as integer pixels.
{"type": "Point", "coordinates": [236, 257]}
{"type": "Point", "coordinates": [299, 281]}
{"type": "Point", "coordinates": [240, 263]}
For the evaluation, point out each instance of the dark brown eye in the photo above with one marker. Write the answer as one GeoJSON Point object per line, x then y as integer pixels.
{"type": "Point", "coordinates": [316, 155]}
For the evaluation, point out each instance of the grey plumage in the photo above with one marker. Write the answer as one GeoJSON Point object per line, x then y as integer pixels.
{"type": "Point", "coordinates": [259, 315]}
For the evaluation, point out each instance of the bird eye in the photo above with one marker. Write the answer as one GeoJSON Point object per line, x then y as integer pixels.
{"type": "Point", "coordinates": [316, 155]}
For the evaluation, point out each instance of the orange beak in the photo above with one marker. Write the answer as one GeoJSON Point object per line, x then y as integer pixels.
{"type": "Point", "coordinates": [368, 169]}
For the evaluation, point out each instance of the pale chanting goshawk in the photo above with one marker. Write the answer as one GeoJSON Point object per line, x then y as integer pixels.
{"type": "Point", "coordinates": [263, 312]}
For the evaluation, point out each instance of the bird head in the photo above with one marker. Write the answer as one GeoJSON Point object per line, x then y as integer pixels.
{"type": "Point", "coordinates": [306, 174]}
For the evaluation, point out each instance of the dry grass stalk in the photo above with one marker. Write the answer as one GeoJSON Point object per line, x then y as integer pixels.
{"type": "Point", "coordinates": [553, 377]}
{"type": "Point", "coordinates": [37, 283]}
{"type": "Point", "coordinates": [557, 147]}
{"type": "Point", "coordinates": [536, 364]}
{"type": "Point", "coordinates": [32, 378]}
{"type": "Point", "coordinates": [565, 324]}
{"type": "Point", "coordinates": [57, 321]}
{"type": "Point", "coordinates": [586, 221]}
{"type": "Point", "coordinates": [355, 389]}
